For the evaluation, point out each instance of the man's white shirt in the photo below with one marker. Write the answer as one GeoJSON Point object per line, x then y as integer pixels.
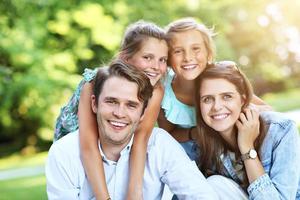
{"type": "Point", "coordinates": [166, 163]}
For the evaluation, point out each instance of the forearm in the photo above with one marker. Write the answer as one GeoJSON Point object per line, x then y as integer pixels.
{"type": "Point", "coordinates": [139, 148]}
{"type": "Point", "coordinates": [254, 169]}
{"type": "Point", "coordinates": [95, 173]}
{"type": "Point", "coordinates": [90, 155]}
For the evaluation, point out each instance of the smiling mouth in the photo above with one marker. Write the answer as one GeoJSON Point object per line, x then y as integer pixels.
{"type": "Point", "coordinates": [189, 67]}
{"type": "Point", "coordinates": [220, 116]}
{"type": "Point", "coordinates": [152, 74]}
{"type": "Point", "coordinates": [117, 125]}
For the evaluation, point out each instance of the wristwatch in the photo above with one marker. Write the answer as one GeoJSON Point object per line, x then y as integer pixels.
{"type": "Point", "coordinates": [251, 154]}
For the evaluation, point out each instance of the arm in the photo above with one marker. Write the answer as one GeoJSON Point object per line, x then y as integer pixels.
{"type": "Point", "coordinates": [88, 136]}
{"type": "Point", "coordinates": [180, 173]}
{"type": "Point", "coordinates": [180, 134]}
{"type": "Point", "coordinates": [139, 148]}
{"type": "Point", "coordinates": [260, 105]}
{"type": "Point", "coordinates": [281, 181]}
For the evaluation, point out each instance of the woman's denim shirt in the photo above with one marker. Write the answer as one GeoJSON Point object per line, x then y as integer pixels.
{"type": "Point", "coordinates": [280, 157]}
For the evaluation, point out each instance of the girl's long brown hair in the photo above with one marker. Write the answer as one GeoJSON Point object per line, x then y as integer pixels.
{"type": "Point", "coordinates": [211, 143]}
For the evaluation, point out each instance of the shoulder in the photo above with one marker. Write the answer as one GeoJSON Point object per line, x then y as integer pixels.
{"type": "Point", "coordinates": [276, 120]}
{"type": "Point", "coordinates": [278, 125]}
{"type": "Point", "coordinates": [67, 145]}
{"type": "Point", "coordinates": [271, 117]}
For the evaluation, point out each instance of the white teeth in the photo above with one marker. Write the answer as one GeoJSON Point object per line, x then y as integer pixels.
{"type": "Point", "coordinates": [120, 124]}
{"type": "Point", "coordinates": [151, 74]}
{"type": "Point", "coordinates": [220, 116]}
{"type": "Point", "coordinates": [188, 66]}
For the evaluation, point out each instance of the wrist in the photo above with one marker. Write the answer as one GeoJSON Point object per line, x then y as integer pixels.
{"type": "Point", "coordinates": [245, 149]}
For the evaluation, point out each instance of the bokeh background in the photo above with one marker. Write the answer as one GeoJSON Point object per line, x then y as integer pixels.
{"type": "Point", "coordinates": [46, 44]}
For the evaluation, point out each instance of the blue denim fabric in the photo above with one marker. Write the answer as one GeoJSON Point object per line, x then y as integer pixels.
{"type": "Point", "coordinates": [191, 149]}
{"type": "Point", "coordinates": [280, 157]}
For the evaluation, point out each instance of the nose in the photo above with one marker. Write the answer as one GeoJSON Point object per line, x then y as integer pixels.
{"type": "Point", "coordinates": [119, 111]}
{"type": "Point", "coordinates": [218, 105]}
{"type": "Point", "coordinates": [188, 56]}
{"type": "Point", "coordinates": [155, 64]}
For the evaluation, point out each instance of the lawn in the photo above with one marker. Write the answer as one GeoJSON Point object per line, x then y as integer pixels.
{"type": "Point", "coordinates": [30, 188]}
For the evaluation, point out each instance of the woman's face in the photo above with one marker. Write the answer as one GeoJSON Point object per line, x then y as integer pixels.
{"type": "Point", "coordinates": [151, 58]}
{"type": "Point", "coordinates": [188, 54]}
{"type": "Point", "coordinates": [220, 104]}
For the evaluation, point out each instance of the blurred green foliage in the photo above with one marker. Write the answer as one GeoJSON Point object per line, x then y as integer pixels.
{"type": "Point", "coordinates": [45, 45]}
{"type": "Point", "coordinates": [284, 101]}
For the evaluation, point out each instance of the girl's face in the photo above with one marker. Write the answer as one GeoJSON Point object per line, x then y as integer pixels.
{"type": "Point", "coordinates": [220, 104]}
{"type": "Point", "coordinates": [151, 58]}
{"type": "Point", "coordinates": [188, 54]}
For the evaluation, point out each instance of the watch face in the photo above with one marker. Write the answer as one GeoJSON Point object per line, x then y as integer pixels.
{"type": "Point", "coordinates": [252, 154]}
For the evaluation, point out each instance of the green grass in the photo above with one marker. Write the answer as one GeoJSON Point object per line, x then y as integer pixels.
{"type": "Point", "coordinates": [24, 188]}
{"type": "Point", "coordinates": [17, 160]}
{"type": "Point", "coordinates": [284, 101]}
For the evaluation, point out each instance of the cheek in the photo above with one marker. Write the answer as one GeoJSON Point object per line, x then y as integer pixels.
{"type": "Point", "coordinates": [137, 62]}
{"type": "Point", "coordinates": [204, 111]}
{"type": "Point", "coordinates": [174, 60]}
{"type": "Point", "coordinates": [163, 68]}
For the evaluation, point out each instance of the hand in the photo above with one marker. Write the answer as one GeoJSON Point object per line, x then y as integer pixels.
{"type": "Point", "coordinates": [248, 129]}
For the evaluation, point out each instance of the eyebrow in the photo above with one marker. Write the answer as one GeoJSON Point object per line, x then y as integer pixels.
{"type": "Point", "coordinates": [202, 96]}
{"type": "Point", "coordinates": [117, 100]}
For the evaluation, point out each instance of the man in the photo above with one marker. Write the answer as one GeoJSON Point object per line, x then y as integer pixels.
{"type": "Point", "coordinates": [120, 96]}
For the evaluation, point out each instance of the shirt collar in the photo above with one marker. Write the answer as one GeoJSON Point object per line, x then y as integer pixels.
{"type": "Point", "coordinates": [125, 150]}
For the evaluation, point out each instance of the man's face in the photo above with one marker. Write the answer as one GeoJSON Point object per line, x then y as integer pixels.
{"type": "Point", "coordinates": [118, 112]}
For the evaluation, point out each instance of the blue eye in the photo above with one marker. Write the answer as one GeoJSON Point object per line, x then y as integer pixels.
{"type": "Point", "coordinates": [132, 105]}
{"type": "Point", "coordinates": [164, 60]}
{"type": "Point", "coordinates": [112, 102]}
{"type": "Point", "coordinates": [207, 100]}
{"type": "Point", "coordinates": [227, 97]}
{"type": "Point", "coordinates": [196, 48]}
{"type": "Point", "coordinates": [178, 51]}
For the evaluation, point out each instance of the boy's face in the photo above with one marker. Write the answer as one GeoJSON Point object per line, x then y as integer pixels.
{"type": "Point", "coordinates": [118, 111]}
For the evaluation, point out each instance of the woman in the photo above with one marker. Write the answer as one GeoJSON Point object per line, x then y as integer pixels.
{"type": "Point", "coordinates": [259, 153]}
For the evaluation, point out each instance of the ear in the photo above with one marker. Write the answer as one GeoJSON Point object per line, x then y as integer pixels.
{"type": "Point", "coordinates": [94, 103]}
{"type": "Point", "coordinates": [209, 59]}
{"type": "Point", "coordinates": [123, 57]}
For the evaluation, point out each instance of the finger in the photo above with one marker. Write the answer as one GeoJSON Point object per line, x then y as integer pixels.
{"type": "Point", "coordinates": [238, 124]}
{"type": "Point", "coordinates": [242, 118]}
{"type": "Point", "coordinates": [248, 113]}
{"type": "Point", "coordinates": [255, 114]}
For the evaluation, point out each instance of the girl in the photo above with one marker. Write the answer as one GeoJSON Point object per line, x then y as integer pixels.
{"type": "Point", "coordinates": [145, 47]}
{"type": "Point", "coordinates": [191, 49]}
{"type": "Point", "coordinates": [259, 153]}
